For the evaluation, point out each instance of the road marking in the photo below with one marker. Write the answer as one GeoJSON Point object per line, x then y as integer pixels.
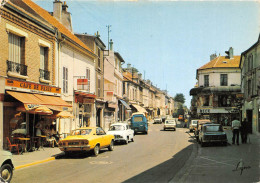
{"type": "Point", "coordinates": [34, 163]}
{"type": "Point", "coordinates": [101, 162]}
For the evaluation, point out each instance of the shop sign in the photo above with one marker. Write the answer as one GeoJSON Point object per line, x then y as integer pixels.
{"type": "Point", "coordinates": [82, 84]}
{"type": "Point", "coordinates": [218, 110]}
{"type": "Point", "coordinates": [88, 100]}
{"type": "Point", "coordinates": [33, 87]}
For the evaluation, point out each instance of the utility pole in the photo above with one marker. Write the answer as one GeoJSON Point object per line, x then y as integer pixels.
{"type": "Point", "coordinates": [108, 31]}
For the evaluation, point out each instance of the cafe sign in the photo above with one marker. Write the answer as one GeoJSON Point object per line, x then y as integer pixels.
{"type": "Point", "coordinates": [217, 110]}
{"type": "Point", "coordinates": [32, 87]}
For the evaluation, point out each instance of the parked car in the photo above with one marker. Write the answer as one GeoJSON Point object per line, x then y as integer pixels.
{"type": "Point", "coordinates": [157, 120]}
{"type": "Point", "coordinates": [122, 132]}
{"type": "Point", "coordinates": [193, 124]}
{"type": "Point", "coordinates": [210, 133]}
{"type": "Point", "coordinates": [87, 139]}
{"type": "Point", "coordinates": [169, 124]}
{"type": "Point", "coordinates": [139, 123]}
{"type": "Point", "coordinates": [7, 167]}
{"type": "Point", "coordinates": [199, 125]}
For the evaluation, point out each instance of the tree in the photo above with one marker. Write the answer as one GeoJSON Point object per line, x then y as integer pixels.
{"type": "Point", "coordinates": [179, 97]}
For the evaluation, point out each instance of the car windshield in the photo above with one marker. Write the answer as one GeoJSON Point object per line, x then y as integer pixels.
{"type": "Point", "coordinates": [138, 119]}
{"type": "Point", "coordinates": [216, 128]}
{"type": "Point", "coordinates": [169, 122]}
{"type": "Point", "coordinates": [116, 128]}
{"type": "Point", "coordinates": [81, 132]}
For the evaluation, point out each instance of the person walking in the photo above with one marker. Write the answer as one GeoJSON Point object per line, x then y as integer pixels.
{"type": "Point", "coordinates": [244, 131]}
{"type": "Point", "coordinates": [235, 129]}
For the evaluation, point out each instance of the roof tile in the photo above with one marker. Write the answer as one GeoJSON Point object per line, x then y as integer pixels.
{"type": "Point", "coordinates": [222, 62]}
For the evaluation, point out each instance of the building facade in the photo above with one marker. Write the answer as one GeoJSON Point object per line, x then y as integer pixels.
{"type": "Point", "coordinates": [218, 91]}
{"type": "Point", "coordinates": [250, 72]}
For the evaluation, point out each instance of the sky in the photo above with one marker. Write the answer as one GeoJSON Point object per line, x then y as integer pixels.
{"type": "Point", "coordinates": [167, 41]}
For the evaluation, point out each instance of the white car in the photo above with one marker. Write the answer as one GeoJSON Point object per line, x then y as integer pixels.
{"type": "Point", "coordinates": [157, 120]}
{"type": "Point", "coordinates": [193, 124]}
{"type": "Point", "coordinates": [122, 132]}
{"type": "Point", "coordinates": [169, 124]}
{"type": "Point", "coordinates": [7, 167]}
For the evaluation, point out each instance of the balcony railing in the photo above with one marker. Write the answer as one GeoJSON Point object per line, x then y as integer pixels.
{"type": "Point", "coordinates": [44, 74]}
{"type": "Point", "coordinates": [17, 68]}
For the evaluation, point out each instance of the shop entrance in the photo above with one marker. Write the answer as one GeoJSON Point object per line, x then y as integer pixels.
{"type": "Point", "coordinates": [249, 117]}
{"type": "Point", "coordinates": [98, 117]}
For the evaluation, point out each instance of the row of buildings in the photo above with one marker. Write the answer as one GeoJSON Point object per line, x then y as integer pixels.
{"type": "Point", "coordinates": [66, 80]}
{"type": "Point", "coordinates": [228, 87]}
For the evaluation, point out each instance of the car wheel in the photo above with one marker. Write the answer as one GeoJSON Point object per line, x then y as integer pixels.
{"type": "Point", "coordinates": [132, 140]}
{"type": "Point", "coordinates": [111, 146]}
{"type": "Point", "coordinates": [96, 150]}
{"type": "Point", "coordinates": [6, 172]}
{"type": "Point", "coordinates": [126, 141]}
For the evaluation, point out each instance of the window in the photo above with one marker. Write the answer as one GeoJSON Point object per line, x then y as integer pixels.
{"type": "Point", "coordinates": [44, 73]}
{"type": "Point", "coordinates": [65, 80]}
{"type": "Point", "coordinates": [223, 80]}
{"type": "Point", "coordinates": [16, 55]}
{"type": "Point", "coordinates": [88, 77]}
{"type": "Point", "coordinates": [16, 48]}
{"type": "Point", "coordinates": [206, 80]}
{"type": "Point", "coordinates": [99, 88]}
{"type": "Point", "coordinates": [250, 62]}
{"type": "Point", "coordinates": [249, 89]}
{"type": "Point", "coordinates": [99, 62]}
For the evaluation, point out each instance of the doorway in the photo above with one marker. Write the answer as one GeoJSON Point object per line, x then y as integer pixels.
{"type": "Point", "coordinates": [98, 117]}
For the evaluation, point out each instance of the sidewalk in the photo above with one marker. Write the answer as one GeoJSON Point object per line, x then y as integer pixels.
{"type": "Point", "coordinates": [219, 163]}
{"type": "Point", "coordinates": [35, 157]}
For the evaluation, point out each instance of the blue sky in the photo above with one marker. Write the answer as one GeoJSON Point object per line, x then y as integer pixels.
{"type": "Point", "coordinates": [168, 40]}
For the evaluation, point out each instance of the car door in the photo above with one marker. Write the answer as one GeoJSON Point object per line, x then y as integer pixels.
{"type": "Point", "coordinates": [100, 136]}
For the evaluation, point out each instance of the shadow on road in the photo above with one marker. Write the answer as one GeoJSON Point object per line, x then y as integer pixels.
{"type": "Point", "coordinates": [165, 171]}
{"type": "Point", "coordinates": [78, 155]}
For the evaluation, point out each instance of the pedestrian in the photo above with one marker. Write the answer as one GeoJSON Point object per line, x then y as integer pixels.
{"type": "Point", "coordinates": [244, 131]}
{"type": "Point", "coordinates": [235, 129]}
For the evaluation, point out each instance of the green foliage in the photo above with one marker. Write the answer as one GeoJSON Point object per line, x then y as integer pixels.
{"type": "Point", "coordinates": [179, 97]}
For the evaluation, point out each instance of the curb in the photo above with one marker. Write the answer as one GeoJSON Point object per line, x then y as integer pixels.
{"type": "Point", "coordinates": [34, 163]}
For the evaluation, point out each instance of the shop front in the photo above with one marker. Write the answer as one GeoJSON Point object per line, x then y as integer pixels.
{"type": "Point", "coordinates": [85, 105]}
{"type": "Point", "coordinates": [30, 111]}
{"type": "Point", "coordinates": [223, 116]}
{"type": "Point", "coordinates": [109, 114]}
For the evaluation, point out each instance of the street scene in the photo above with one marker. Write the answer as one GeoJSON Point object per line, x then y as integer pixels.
{"type": "Point", "coordinates": [129, 91]}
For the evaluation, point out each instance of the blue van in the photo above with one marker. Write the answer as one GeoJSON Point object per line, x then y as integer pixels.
{"type": "Point", "coordinates": [139, 123]}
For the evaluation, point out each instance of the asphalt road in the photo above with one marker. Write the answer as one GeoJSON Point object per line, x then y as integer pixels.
{"type": "Point", "coordinates": [156, 157]}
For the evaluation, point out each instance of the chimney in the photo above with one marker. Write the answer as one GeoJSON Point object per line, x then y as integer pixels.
{"type": "Point", "coordinates": [213, 56]}
{"type": "Point", "coordinates": [57, 7]}
{"type": "Point", "coordinates": [111, 45]}
{"type": "Point", "coordinates": [128, 66]}
{"type": "Point", "coordinates": [64, 6]}
{"type": "Point", "coordinates": [230, 53]}
{"type": "Point", "coordinates": [98, 35]}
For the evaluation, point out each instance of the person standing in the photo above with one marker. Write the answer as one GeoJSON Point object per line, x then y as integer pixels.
{"type": "Point", "coordinates": [244, 131]}
{"type": "Point", "coordinates": [235, 129]}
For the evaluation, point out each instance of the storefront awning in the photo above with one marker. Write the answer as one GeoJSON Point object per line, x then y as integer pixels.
{"type": "Point", "coordinates": [125, 104]}
{"type": "Point", "coordinates": [30, 101]}
{"type": "Point", "coordinates": [139, 108]}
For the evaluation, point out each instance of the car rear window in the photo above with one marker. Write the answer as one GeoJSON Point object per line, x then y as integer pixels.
{"type": "Point", "coordinates": [216, 128]}
{"type": "Point", "coordinates": [138, 119]}
{"type": "Point", "coordinates": [169, 122]}
{"type": "Point", "coordinates": [194, 122]}
{"type": "Point", "coordinates": [116, 128]}
{"type": "Point", "coordinates": [81, 132]}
